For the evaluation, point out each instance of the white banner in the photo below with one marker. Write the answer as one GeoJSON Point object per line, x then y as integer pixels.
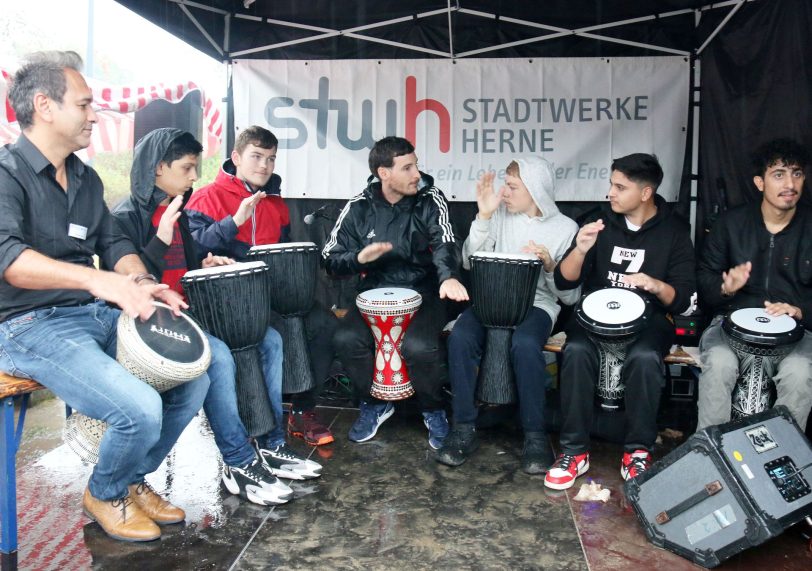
{"type": "Point", "coordinates": [465, 117]}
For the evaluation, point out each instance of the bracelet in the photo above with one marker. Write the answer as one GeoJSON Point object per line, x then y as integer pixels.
{"type": "Point", "coordinates": [138, 278]}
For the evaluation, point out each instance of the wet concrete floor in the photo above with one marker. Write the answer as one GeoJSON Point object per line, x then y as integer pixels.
{"type": "Point", "coordinates": [384, 504]}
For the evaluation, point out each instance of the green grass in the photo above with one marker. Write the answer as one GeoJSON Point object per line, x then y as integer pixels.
{"type": "Point", "coordinates": [114, 170]}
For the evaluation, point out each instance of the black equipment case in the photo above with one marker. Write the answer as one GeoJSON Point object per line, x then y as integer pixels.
{"type": "Point", "coordinates": [728, 488]}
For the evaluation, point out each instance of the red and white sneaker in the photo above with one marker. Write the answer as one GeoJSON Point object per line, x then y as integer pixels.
{"type": "Point", "coordinates": [635, 463]}
{"type": "Point", "coordinates": [566, 468]}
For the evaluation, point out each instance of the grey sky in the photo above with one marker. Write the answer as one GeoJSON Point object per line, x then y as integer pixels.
{"type": "Point", "coordinates": [127, 48]}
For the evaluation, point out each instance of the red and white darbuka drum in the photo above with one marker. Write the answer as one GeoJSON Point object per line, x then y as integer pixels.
{"type": "Point", "coordinates": [164, 351]}
{"type": "Point", "coordinates": [388, 312]}
{"type": "Point", "coordinates": [760, 341]}
{"type": "Point", "coordinates": [613, 317]}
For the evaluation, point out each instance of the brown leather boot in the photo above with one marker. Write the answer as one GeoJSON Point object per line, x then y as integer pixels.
{"type": "Point", "coordinates": [121, 519]}
{"type": "Point", "coordinates": [152, 504]}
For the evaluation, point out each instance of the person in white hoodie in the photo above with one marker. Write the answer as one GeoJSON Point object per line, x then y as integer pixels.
{"type": "Point", "coordinates": [521, 217]}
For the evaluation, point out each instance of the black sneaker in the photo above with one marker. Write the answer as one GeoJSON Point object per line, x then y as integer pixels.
{"type": "Point", "coordinates": [537, 455]}
{"type": "Point", "coordinates": [460, 443]}
{"type": "Point", "coordinates": [256, 484]}
{"type": "Point", "coordinates": [282, 461]}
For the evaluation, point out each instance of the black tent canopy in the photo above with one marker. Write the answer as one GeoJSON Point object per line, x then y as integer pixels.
{"type": "Point", "coordinates": [341, 29]}
{"type": "Point", "coordinates": [750, 57]}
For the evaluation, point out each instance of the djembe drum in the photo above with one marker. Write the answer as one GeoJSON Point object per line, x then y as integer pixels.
{"type": "Point", "coordinates": [164, 351]}
{"type": "Point", "coordinates": [388, 311]}
{"type": "Point", "coordinates": [503, 291]}
{"type": "Point", "coordinates": [613, 318]}
{"type": "Point", "coordinates": [231, 302]}
{"type": "Point", "coordinates": [292, 282]}
{"type": "Point", "coordinates": [760, 341]}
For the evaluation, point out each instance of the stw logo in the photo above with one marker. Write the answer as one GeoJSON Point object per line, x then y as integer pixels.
{"type": "Point", "coordinates": [337, 113]}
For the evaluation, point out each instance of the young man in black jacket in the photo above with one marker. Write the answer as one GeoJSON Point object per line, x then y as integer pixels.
{"type": "Point", "coordinates": [760, 255]}
{"type": "Point", "coordinates": [640, 244]}
{"type": "Point", "coordinates": [397, 232]}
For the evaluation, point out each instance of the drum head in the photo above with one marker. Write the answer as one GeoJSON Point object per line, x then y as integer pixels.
{"type": "Point", "coordinates": [612, 311]}
{"type": "Point", "coordinates": [282, 247]}
{"type": "Point", "coordinates": [384, 300]}
{"type": "Point", "coordinates": [756, 326]}
{"type": "Point", "coordinates": [503, 256]}
{"type": "Point", "coordinates": [227, 270]}
{"type": "Point", "coordinates": [175, 338]}
{"type": "Point", "coordinates": [163, 351]}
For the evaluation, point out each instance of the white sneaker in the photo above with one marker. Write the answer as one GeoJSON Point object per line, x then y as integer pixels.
{"type": "Point", "coordinates": [282, 461]}
{"type": "Point", "coordinates": [256, 484]}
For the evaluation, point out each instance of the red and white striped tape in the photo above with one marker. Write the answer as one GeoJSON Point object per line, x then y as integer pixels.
{"type": "Point", "coordinates": [116, 106]}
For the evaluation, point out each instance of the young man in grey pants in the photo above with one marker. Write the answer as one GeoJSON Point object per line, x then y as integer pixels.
{"type": "Point", "coordinates": [760, 255]}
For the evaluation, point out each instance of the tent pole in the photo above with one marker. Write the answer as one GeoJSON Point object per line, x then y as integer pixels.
{"type": "Point", "coordinates": [229, 100]}
{"type": "Point", "coordinates": [695, 98]}
{"type": "Point", "coordinates": [720, 26]}
{"type": "Point", "coordinates": [696, 84]}
{"type": "Point", "coordinates": [229, 138]}
{"type": "Point", "coordinates": [200, 28]}
{"type": "Point", "coordinates": [450, 32]}
{"type": "Point", "coordinates": [227, 33]}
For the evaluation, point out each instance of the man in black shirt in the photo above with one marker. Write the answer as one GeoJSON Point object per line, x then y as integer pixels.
{"type": "Point", "coordinates": [56, 327]}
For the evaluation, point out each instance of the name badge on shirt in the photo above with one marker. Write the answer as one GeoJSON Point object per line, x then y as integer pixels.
{"type": "Point", "coordinates": [77, 231]}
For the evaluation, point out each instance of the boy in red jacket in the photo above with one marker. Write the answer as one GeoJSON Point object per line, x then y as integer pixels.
{"type": "Point", "coordinates": [243, 208]}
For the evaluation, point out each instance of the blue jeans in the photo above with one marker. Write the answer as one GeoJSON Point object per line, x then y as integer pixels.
{"type": "Point", "coordinates": [465, 349]}
{"type": "Point", "coordinates": [71, 351]}
{"type": "Point", "coordinates": [220, 405]}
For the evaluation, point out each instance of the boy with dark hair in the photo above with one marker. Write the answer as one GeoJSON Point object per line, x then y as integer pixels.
{"type": "Point", "coordinates": [760, 255]}
{"type": "Point", "coordinates": [521, 217]}
{"type": "Point", "coordinates": [163, 172]}
{"type": "Point", "coordinates": [397, 232]}
{"type": "Point", "coordinates": [641, 244]}
{"type": "Point", "coordinates": [243, 208]}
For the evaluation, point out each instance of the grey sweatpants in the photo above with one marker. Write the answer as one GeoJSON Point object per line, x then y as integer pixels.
{"type": "Point", "coordinates": [720, 368]}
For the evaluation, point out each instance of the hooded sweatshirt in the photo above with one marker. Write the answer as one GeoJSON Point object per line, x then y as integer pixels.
{"type": "Point", "coordinates": [134, 214]}
{"type": "Point", "coordinates": [510, 232]}
{"type": "Point", "coordinates": [211, 210]}
{"type": "Point", "coordinates": [661, 249]}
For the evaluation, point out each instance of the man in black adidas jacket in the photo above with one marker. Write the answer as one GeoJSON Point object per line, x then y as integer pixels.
{"type": "Point", "coordinates": [641, 244]}
{"type": "Point", "coordinates": [760, 255]}
{"type": "Point", "coordinates": [397, 232]}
